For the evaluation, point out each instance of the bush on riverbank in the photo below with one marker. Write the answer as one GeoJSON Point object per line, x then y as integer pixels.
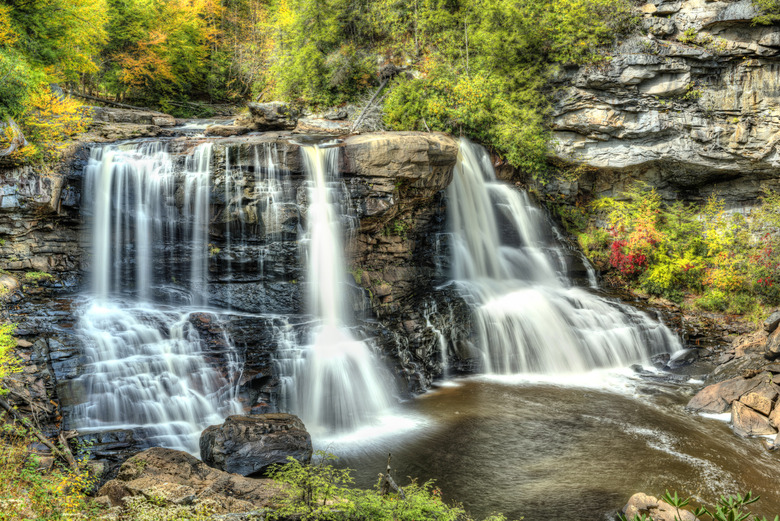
{"type": "Point", "coordinates": [699, 255]}
{"type": "Point", "coordinates": [320, 491]}
{"type": "Point", "coordinates": [30, 489]}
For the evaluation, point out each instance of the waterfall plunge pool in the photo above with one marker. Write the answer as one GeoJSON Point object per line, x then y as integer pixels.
{"type": "Point", "coordinates": [546, 451]}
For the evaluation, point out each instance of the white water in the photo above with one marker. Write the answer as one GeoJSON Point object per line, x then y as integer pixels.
{"type": "Point", "coordinates": [337, 384]}
{"type": "Point", "coordinates": [145, 368]}
{"type": "Point", "coordinates": [527, 316]}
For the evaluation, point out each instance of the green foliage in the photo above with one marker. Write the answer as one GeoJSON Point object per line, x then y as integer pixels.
{"type": "Point", "coordinates": [485, 66]}
{"type": "Point", "coordinates": [38, 276]}
{"type": "Point", "coordinates": [770, 11]}
{"type": "Point", "coordinates": [28, 491]}
{"type": "Point", "coordinates": [722, 261]}
{"type": "Point", "coordinates": [688, 36]}
{"type": "Point", "coordinates": [728, 508]}
{"type": "Point", "coordinates": [320, 491]}
{"type": "Point", "coordinates": [481, 66]}
{"type": "Point", "coordinates": [8, 362]}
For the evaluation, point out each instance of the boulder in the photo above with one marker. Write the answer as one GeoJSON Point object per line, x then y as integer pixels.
{"type": "Point", "coordinates": [717, 398]}
{"type": "Point", "coordinates": [248, 445]}
{"type": "Point", "coordinates": [181, 478]}
{"type": "Point", "coordinates": [771, 323]}
{"type": "Point", "coordinates": [682, 358]}
{"type": "Point", "coordinates": [322, 126]}
{"type": "Point", "coordinates": [129, 116]}
{"type": "Point", "coordinates": [660, 360]}
{"type": "Point", "coordinates": [772, 349]}
{"type": "Point", "coordinates": [774, 417]}
{"type": "Point", "coordinates": [274, 115]}
{"type": "Point", "coordinates": [658, 510]}
{"type": "Point", "coordinates": [226, 130]}
{"type": "Point", "coordinates": [747, 422]}
{"type": "Point", "coordinates": [761, 401]}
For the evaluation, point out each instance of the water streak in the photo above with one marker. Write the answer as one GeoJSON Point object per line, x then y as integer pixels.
{"type": "Point", "coordinates": [338, 384]}
{"type": "Point", "coordinates": [145, 365]}
{"type": "Point", "coordinates": [528, 317]}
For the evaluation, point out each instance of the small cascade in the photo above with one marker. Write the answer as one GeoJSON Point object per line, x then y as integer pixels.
{"type": "Point", "coordinates": [196, 219]}
{"type": "Point", "coordinates": [441, 341]}
{"type": "Point", "coordinates": [259, 207]}
{"type": "Point", "coordinates": [528, 318]}
{"type": "Point", "coordinates": [336, 383]}
{"type": "Point", "coordinates": [145, 365]}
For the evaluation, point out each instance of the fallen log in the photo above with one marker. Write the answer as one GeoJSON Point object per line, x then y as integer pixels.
{"type": "Point", "coordinates": [112, 103]}
{"type": "Point", "coordinates": [63, 452]}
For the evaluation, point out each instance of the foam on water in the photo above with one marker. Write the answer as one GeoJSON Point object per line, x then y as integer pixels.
{"type": "Point", "coordinates": [528, 317]}
{"type": "Point", "coordinates": [145, 366]}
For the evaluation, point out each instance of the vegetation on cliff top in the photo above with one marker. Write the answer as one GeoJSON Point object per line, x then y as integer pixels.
{"type": "Point", "coordinates": [475, 67]}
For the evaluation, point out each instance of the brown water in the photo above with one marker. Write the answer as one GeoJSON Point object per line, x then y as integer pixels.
{"type": "Point", "coordinates": [549, 452]}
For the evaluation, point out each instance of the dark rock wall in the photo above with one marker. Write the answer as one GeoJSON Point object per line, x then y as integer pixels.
{"type": "Point", "coordinates": [397, 259]}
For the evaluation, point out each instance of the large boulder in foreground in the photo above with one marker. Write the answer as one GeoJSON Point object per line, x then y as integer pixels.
{"type": "Point", "coordinates": [248, 445]}
{"type": "Point", "coordinates": [182, 479]}
{"type": "Point", "coordinates": [656, 509]}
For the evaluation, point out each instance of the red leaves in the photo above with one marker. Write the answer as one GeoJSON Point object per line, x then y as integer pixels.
{"type": "Point", "coordinates": [629, 264]}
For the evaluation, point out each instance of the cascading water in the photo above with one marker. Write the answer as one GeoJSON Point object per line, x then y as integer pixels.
{"type": "Point", "coordinates": [527, 316]}
{"type": "Point", "coordinates": [145, 368]}
{"type": "Point", "coordinates": [336, 382]}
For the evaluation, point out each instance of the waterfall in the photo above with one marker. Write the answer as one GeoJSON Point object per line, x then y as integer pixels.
{"type": "Point", "coordinates": [337, 382]}
{"type": "Point", "coordinates": [528, 317]}
{"type": "Point", "coordinates": [145, 367]}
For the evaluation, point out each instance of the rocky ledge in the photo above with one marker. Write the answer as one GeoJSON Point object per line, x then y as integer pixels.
{"type": "Point", "coordinates": [178, 478]}
{"type": "Point", "coordinates": [690, 106]}
{"type": "Point", "coordinates": [747, 385]}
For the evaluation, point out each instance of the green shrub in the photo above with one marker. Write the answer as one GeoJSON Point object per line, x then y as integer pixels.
{"type": "Point", "coordinates": [678, 251]}
{"type": "Point", "coordinates": [322, 492]}
{"type": "Point", "coordinates": [29, 492]}
{"type": "Point", "coordinates": [8, 362]}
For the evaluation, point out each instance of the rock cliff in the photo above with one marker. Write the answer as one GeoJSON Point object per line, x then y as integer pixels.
{"type": "Point", "coordinates": [691, 106]}
{"type": "Point", "coordinates": [393, 184]}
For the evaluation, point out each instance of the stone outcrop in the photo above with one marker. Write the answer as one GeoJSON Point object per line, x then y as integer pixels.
{"type": "Point", "coordinates": [274, 115]}
{"type": "Point", "coordinates": [717, 398]}
{"type": "Point", "coordinates": [134, 117]}
{"type": "Point", "coordinates": [393, 182]}
{"type": "Point", "coordinates": [248, 445]}
{"type": "Point", "coordinates": [658, 510]}
{"type": "Point", "coordinates": [311, 125]}
{"type": "Point", "coordinates": [182, 479]}
{"type": "Point", "coordinates": [753, 401]}
{"type": "Point", "coordinates": [689, 107]}
{"type": "Point", "coordinates": [749, 422]}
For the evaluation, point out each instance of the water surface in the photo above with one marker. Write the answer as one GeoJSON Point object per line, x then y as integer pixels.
{"type": "Point", "coordinates": [551, 452]}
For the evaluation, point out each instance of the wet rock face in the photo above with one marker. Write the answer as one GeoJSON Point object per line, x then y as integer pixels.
{"type": "Point", "coordinates": [693, 105]}
{"type": "Point", "coordinates": [397, 182]}
{"type": "Point", "coordinates": [393, 182]}
{"type": "Point", "coordinates": [39, 222]}
{"type": "Point", "coordinates": [248, 445]}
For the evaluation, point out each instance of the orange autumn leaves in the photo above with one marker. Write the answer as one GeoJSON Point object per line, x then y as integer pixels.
{"type": "Point", "coordinates": [180, 34]}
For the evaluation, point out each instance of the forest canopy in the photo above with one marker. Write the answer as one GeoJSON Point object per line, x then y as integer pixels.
{"type": "Point", "coordinates": [480, 68]}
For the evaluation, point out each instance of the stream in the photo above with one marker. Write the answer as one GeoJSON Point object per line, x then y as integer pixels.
{"type": "Point", "coordinates": [546, 451]}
